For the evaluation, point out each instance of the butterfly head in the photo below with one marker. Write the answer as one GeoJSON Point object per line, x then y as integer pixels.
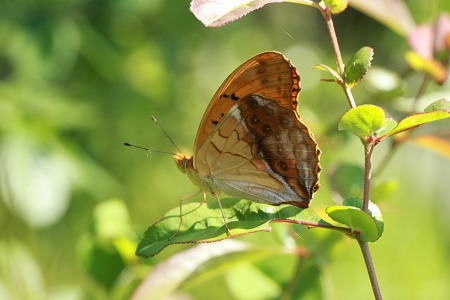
{"type": "Point", "coordinates": [183, 161]}
{"type": "Point", "coordinates": [185, 164]}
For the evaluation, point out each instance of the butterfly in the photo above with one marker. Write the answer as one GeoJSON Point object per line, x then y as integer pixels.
{"type": "Point", "coordinates": [252, 142]}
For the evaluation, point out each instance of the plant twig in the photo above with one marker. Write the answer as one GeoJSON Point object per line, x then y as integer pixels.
{"type": "Point", "coordinates": [370, 269]}
{"type": "Point", "coordinates": [340, 63]}
{"type": "Point", "coordinates": [368, 147]}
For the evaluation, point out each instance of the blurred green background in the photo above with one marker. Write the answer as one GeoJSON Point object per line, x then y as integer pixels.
{"type": "Point", "coordinates": [78, 78]}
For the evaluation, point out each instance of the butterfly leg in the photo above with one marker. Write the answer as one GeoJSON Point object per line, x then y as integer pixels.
{"type": "Point", "coordinates": [223, 215]}
{"type": "Point", "coordinates": [181, 210]}
{"type": "Point", "coordinates": [204, 198]}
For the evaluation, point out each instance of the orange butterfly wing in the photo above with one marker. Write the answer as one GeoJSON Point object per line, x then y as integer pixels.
{"type": "Point", "coordinates": [268, 74]}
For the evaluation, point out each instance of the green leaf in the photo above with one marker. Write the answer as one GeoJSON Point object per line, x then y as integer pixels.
{"type": "Point", "coordinates": [373, 211]}
{"type": "Point", "coordinates": [363, 121]}
{"type": "Point", "coordinates": [355, 219]}
{"type": "Point", "coordinates": [370, 226]}
{"type": "Point", "coordinates": [388, 125]}
{"type": "Point", "coordinates": [336, 6]}
{"type": "Point", "coordinates": [204, 223]}
{"type": "Point", "coordinates": [417, 120]}
{"type": "Point", "coordinates": [358, 65]}
{"type": "Point", "coordinates": [330, 70]}
{"type": "Point", "coordinates": [442, 104]}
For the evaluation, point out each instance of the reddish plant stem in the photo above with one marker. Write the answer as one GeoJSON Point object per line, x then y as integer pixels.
{"type": "Point", "coordinates": [368, 149]}
{"type": "Point", "coordinates": [340, 63]}
{"type": "Point", "coordinates": [313, 225]}
{"type": "Point", "coordinates": [363, 245]}
{"type": "Point", "coordinates": [370, 269]}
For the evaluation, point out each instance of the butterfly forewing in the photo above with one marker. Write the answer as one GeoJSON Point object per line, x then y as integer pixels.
{"type": "Point", "coordinates": [268, 74]}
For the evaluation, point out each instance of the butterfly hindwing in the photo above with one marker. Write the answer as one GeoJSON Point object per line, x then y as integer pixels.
{"type": "Point", "coordinates": [262, 152]}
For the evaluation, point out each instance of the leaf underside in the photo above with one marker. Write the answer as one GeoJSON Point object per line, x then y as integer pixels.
{"type": "Point", "coordinates": [204, 223]}
{"type": "Point", "coordinates": [220, 12]}
{"type": "Point", "coordinates": [369, 225]}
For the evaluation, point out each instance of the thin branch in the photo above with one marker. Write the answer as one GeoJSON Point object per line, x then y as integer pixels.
{"type": "Point", "coordinates": [340, 63]}
{"type": "Point", "coordinates": [367, 174]}
{"type": "Point", "coordinates": [371, 270]}
{"type": "Point", "coordinates": [363, 245]}
{"type": "Point", "coordinates": [368, 149]}
{"type": "Point", "coordinates": [334, 41]}
{"type": "Point", "coordinates": [314, 225]}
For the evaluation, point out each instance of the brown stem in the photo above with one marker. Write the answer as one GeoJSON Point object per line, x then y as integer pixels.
{"type": "Point", "coordinates": [367, 174]}
{"type": "Point", "coordinates": [371, 270]}
{"type": "Point", "coordinates": [314, 225]}
{"type": "Point", "coordinates": [340, 63]}
{"type": "Point", "coordinates": [368, 149]}
{"type": "Point", "coordinates": [363, 245]}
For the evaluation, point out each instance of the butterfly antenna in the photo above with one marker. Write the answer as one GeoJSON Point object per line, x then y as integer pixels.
{"type": "Point", "coordinates": [165, 133]}
{"type": "Point", "coordinates": [150, 150]}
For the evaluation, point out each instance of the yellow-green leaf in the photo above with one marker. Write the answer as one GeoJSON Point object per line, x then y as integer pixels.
{"type": "Point", "coordinates": [358, 65]}
{"type": "Point", "coordinates": [336, 6]}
